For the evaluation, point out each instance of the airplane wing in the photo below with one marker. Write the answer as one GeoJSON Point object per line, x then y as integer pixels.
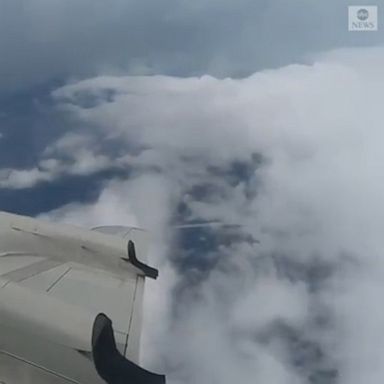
{"type": "Point", "coordinates": [62, 289]}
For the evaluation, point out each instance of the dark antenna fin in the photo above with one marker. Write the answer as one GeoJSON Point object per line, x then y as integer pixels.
{"type": "Point", "coordinates": [148, 271]}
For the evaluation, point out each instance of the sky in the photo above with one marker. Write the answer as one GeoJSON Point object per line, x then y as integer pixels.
{"type": "Point", "coordinates": [265, 116]}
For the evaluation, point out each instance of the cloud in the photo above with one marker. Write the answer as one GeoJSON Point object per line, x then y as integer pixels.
{"type": "Point", "coordinates": [72, 154]}
{"type": "Point", "coordinates": [10, 178]}
{"type": "Point", "coordinates": [141, 201]}
{"type": "Point", "coordinates": [271, 299]}
{"type": "Point", "coordinates": [43, 41]}
{"type": "Point", "coordinates": [295, 154]}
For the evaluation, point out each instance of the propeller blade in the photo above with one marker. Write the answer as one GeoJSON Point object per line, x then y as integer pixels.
{"type": "Point", "coordinates": [110, 364]}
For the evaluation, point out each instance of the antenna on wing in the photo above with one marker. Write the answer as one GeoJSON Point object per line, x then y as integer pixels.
{"type": "Point", "coordinates": [150, 272]}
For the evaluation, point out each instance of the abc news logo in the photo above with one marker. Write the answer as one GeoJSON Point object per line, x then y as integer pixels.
{"type": "Point", "coordinates": [362, 18]}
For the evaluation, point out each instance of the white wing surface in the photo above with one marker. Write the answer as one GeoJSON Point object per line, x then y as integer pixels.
{"type": "Point", "coordinates": [54, 281]}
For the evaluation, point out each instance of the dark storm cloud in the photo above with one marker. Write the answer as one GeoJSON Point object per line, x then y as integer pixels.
{"type": "Point", "coordinates": [42, 40]}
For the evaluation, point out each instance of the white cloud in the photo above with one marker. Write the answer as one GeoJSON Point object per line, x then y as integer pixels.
{"type": "Point", "coordinates": [270, 300]}
{"type": "Point", "coordinates": [71, 154]}
{"type": "Point", "coordinates": [69, 141]}
{"type": "Point", "coordinates": [24, 178]}
{"type": "Point", "coordinates": [111, 208]}
{"type": "Point", "coordinates": [317, 199]}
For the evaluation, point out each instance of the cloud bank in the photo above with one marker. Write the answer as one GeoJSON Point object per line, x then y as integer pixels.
{"type": "Point", "coordinates": [47, 41]}
{"type": "Point", "coordinates": [295, 155]}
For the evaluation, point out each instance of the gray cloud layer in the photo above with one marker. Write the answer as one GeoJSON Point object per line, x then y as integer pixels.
{"type": "Point", "coordinates": [43, 40]}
